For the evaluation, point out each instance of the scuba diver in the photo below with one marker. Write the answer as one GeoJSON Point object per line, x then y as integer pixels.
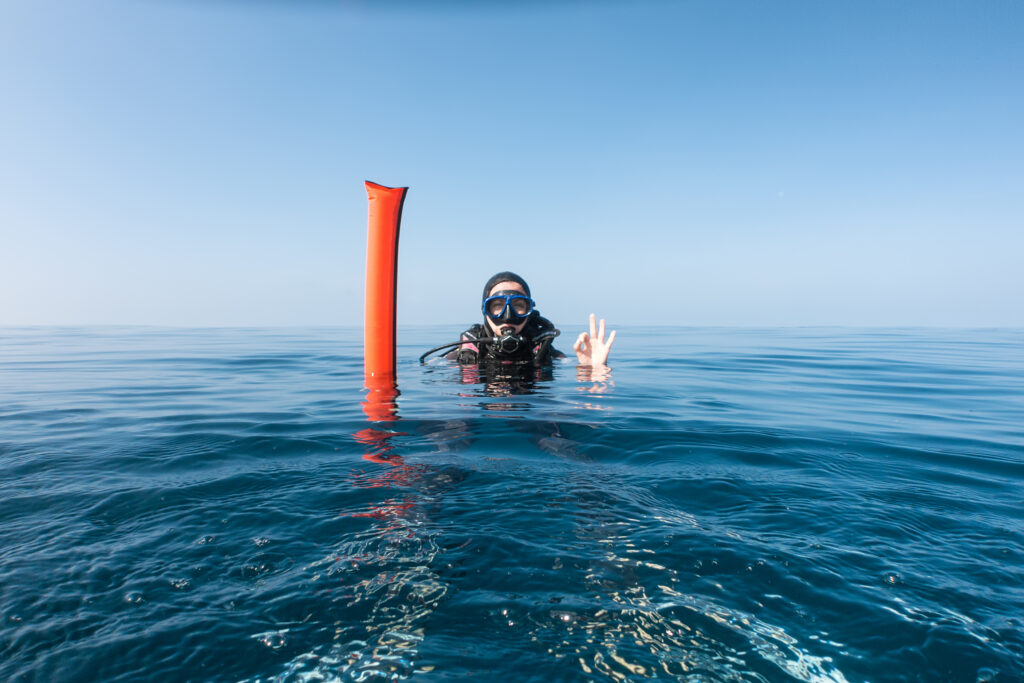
{"type": "Point", "coordinates": [514, 331]}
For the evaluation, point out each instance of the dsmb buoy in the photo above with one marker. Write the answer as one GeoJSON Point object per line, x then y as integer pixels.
{"type": "Point", "coordinates": [381, 289]}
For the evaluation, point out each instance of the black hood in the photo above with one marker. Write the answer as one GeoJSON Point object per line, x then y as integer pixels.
{"type": "Point", "coordinates": [504, 276]}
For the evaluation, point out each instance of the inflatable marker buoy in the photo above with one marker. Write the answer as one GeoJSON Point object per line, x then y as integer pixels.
{"type": "Point", "coordinates": [381, 278]}
{"type": "Point", "coordinates": [381, 285]}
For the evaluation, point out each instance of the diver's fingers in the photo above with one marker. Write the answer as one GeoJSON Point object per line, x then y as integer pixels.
{"type": "Point", "coordinates": [611, 338]}
{"type": "Point", "coordinates": [600, 332]}
{"type": "Point", "coordinates": [593, 326]}
{"type": "Point", "coordinates": [580, 341]}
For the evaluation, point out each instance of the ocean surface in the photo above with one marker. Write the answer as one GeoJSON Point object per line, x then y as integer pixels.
{"type": "Point", "coordinates": [726, 505]}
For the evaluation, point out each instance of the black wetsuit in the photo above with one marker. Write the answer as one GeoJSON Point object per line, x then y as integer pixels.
{"type": "Point", "coordinates": [539, 353]}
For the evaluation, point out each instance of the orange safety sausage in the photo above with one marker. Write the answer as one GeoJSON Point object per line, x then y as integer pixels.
{"type": "Point", "coordinates": [381, 280]}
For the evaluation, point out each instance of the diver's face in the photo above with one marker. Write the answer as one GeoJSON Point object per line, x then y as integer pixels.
{"type": "Point", "coordinates": [499, 327]}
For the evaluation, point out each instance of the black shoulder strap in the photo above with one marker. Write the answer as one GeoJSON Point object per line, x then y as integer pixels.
{"type": "Point", "coordinates": [544, 351]}
{"type": "Point", "coordinates": [470, 353]}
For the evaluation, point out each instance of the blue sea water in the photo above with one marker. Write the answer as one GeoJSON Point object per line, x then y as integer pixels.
{"type": "Point", "coordinates": [727, 505]}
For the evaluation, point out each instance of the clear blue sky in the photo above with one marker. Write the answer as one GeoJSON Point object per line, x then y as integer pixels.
{"type": "Point", "coordinates": [190, 162]}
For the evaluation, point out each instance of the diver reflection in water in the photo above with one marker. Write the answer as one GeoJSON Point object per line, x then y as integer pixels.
{"type": "Point", "coordinates": [514, 332]}
{"type": "Point", "coordinates": [506, 380]}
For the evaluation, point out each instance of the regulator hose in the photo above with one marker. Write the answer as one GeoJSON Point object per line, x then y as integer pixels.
{"type": "Point", "coordinates": [544, 337]}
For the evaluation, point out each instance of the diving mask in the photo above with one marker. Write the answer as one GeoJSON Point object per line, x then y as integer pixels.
{"type": "Point", "coordinates": [508, 306]}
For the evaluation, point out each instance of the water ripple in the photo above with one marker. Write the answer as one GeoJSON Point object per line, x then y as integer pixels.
{"type": "Point", "coordinates": [728, 505]}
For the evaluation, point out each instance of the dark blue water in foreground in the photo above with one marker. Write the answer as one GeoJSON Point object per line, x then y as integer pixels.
{"type": "Point", "coordinates": [729, 505]}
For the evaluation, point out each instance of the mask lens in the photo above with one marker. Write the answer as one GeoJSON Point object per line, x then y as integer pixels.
{"type": "Point", "coordinates": [521, 305]}
{"type": "Point", "coordinates": [495, 306]}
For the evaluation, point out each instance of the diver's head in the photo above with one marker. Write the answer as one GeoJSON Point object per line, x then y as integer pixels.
{"type": "Point", "coordinates": [507, 305]}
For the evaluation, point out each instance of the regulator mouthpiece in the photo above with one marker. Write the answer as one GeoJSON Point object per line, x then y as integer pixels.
{"type": "Point", "coordinates": [509, 343]}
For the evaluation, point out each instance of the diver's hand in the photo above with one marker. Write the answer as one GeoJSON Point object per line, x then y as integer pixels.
{"type": "Point", "coordinates": [592, 349]}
